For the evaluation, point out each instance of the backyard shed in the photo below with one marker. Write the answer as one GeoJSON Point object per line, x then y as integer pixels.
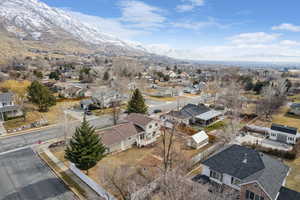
{"type": "Point", "coordinates": [198, 140]}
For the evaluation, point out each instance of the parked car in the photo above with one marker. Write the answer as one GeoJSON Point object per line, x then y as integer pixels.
{"type": "Point", "coordinates": [88, 112]}
{"type": "Point", "coordinates": [157, 111]}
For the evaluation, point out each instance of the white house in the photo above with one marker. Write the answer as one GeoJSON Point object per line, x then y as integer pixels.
{"type": "Point", "coordinates": [198, 140]}
{"type": "Point", "coordinates": [150, 127]}
{"type": "Point", "coordinates": [8, 107]}
{"type": "Point", "coordinates": [284, 134]}
{"type": "Point", "coordinates": [139, 130]}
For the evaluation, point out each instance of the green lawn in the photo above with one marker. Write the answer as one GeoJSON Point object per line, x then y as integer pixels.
{"type": "Point", "coordinates": [215, 126]}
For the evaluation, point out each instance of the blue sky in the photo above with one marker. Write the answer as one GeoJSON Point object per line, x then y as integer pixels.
{"type": "Point", "coordinates": [195, 25]}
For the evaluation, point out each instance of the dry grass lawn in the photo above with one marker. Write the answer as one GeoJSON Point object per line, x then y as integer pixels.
{"type": "Point", "coordinates": [53, 116]}
{"type": "Point", "coordinates": [283, 118]}
{"type": "Point", "coordinates": [147, 159]}
{"type": "Point", "coordinates": [293, 180]}
{"type": "Point", "coordinates": [161, 98]}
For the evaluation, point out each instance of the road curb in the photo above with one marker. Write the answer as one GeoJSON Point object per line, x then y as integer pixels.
{"type": "Point", "coordinates": [58, 175]}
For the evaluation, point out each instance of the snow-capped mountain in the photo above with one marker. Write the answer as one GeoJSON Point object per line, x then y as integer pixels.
{"type": "Point", "coordinates": [34, 20]}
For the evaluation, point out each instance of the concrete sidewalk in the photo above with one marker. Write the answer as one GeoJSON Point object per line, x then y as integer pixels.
{"type": "Point", "coordinates": [91, 194]}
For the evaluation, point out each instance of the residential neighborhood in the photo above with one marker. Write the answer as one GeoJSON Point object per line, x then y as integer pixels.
{"type": "Point", "coordinates": [149, 100]}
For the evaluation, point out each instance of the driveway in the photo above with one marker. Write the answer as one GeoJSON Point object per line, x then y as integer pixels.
{"type": "Point", "coordinates": [263, 142]}
{"type": "Point", "coordinates": [23, 176]}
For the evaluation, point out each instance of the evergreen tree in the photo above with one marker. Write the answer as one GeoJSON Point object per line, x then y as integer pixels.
{"type": "Point", "coordinates": [41, 96]}
{"type": "Point", "coordinates": [85, 149]}
{"type": "Point", "coordinates": [137, 103]}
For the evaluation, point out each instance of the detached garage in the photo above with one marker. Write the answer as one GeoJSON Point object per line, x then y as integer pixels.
{"type": "Point", "coordinates": [198, 140]}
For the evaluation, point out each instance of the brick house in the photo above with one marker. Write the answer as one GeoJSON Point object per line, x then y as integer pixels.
{"type": "Point", "coordinates": [256, 175]}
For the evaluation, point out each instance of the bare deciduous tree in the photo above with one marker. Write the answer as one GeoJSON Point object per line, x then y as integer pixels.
{"type": "Point", "coordinates": [116, 110]}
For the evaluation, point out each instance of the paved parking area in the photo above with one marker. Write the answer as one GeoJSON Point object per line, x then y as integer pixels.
{"type": "Point", "coordinates": [23, 176]}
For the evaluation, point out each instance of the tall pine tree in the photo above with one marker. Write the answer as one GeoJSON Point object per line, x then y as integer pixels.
{"type": "Point", "coordinates": [137, 103]}
{"type": "Point", "coordinates": [85, 148]}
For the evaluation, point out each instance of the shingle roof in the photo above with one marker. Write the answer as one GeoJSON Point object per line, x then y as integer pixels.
{"type": "Point", "coordinates": [285, 129]}
{"type": "Point", "coordinates": [271, 177]}
{"type": "Point", "coordinates": [6, 97]}
{"type": "Point", "coordinates": [118, 133]}
{"type": "Point", "coordinates": [237, 161]}
{"type": "Point", "coordinates": [288, 194]}
{"type": "Point", "coordinates": [194, 110]}
{"type": "Point", "coordinates": [139, 119]}
{"type": "Point", "coordinates": [249, 165]}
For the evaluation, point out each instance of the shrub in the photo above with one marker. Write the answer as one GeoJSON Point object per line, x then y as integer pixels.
{"type": "Point", "coordinates": [211, 138]}
{"type": "Point", "coordinates": [289, 155]}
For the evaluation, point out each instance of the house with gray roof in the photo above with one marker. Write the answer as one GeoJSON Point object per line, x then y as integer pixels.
{"type": "Point", "coordinates": [8, 108]}
{"type": "Point", "coordinates": [194, 114]}
{"type": "Point", "coordinates": [256, 175]}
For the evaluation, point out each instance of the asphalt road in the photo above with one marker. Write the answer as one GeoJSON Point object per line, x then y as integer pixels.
{"type": "Point", "coordinates": [23, 176]}
{"type": "Point", "coordinates": [19, 141]}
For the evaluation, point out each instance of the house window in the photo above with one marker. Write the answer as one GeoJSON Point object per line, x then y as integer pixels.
{"type": "Point", "coordinates": [156, 124]}
{"type": "Point", "coordinates": [129, 138]}
{"type": "Point", "coordinates": [142, 136]}
{"type": "Point", "coordinates": [150, 126]}
{"type": "Point", "coordinates": [251, 196]}
{"type": "Point", "coordinates": [153, 134]}
{"type": "Point", "coordinates": [216, 175]}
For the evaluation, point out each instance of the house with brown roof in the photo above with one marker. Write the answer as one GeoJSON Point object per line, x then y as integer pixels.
{"type": "Point", "coordinates": [138, 129]}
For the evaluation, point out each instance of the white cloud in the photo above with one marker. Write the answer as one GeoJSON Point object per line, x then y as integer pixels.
{"type": "Point", "coordinates": [287, 27]}
{"type": "Point", "coordinates": [193, 25]}
{"type": "Point", "coordinates": [253, 38]}
{"type": "Point", "coordinates": [110, 26]}
{"type": "Point", "coordinates": [188, 5]}
{"type": "Point", "coordinates": [243, 47]}
{"type": "Point", "coordinates": [289, 43]}
{"type": "Point", "coordinates": [141, 15]}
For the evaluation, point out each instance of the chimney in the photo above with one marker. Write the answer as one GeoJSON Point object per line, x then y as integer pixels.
{"type": "Point", "coordinates": [245, 159]}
